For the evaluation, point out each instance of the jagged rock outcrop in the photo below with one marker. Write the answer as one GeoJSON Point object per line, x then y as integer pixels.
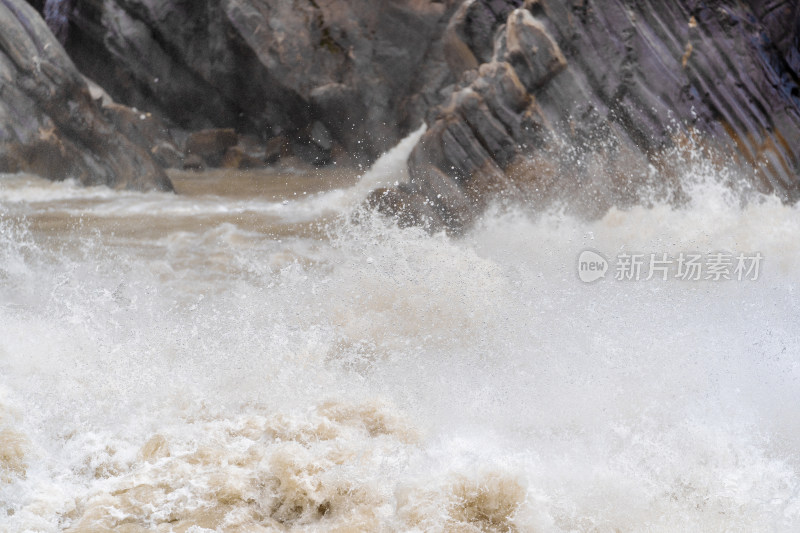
{"type": "Point", "coordinates": [581, 98]}
{"type": "Point", "coordinates": [49, 123]}
{"type": "Point", "coordinates": [334, 78]}
{"type": "Point", "coordinates": [538, 97]}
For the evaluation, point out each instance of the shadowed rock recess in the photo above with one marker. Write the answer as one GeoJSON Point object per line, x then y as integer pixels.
{"type": "Point", "coordinates": [539, 99]}
{"type": "Point", "coordinates": [49, 123]}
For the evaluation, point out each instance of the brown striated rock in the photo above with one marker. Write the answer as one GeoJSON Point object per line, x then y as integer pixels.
{"type": "Point", "coordinates": [531, 50]}
{"type": "Point", "coordinates": [211, 145]}
{"type": "Point", "coordinates": [146, 130]}
{"type": "Point", "coordinates": [167, 154]}
{"type": "Point", "coordinates": [460, 162]}
{"type": "Point", "coordinates": [457, 52]}
{"type": "Point", "coordinates": [581, 100]}
{"type": "Point", "coordinates": [239, 157]}
{"type": "Point", "coordinates": [49, 123]}
{"type": "Point", "coordinates": [469, 36]}
{"type": "Point", "coordinates": [559, 98]}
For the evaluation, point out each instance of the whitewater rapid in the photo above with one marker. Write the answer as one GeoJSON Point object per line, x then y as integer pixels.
{"type": "Point", "coordinates": [214, 362]}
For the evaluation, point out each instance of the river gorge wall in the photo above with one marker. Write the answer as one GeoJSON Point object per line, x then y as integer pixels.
{"type": "Point", "coordinates": [118, 90]}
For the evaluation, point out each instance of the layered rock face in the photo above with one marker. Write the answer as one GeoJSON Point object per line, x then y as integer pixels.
{"type": "Point", "coordinates": [536, 98]}
{"type": "Point", "coordinates": [49, 123]}
{"type": "Point", "coordinates": [583, 98]}
{"type": "Point", "coordinates": [332, 78]}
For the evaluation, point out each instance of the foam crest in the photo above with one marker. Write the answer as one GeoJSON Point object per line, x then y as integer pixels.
{"type": "Point", "coordinates": [231, 375]}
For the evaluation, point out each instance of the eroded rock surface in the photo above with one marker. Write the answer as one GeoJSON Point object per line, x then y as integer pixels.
{"type": "Point", "coordinates": [363, 71]}
{"type": "Point", "coordinates": [49, 123]}
{"type": "Point", "coordinates": [538, 97]}
{"type": "Point", "coordinates": [583, 97]}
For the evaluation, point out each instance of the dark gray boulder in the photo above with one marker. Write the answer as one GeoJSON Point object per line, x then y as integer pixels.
{"type": "Point", "coordinates": [49, 123]}
{"type": "Point", "coordinates": [366, 71]}
{"type": "Point", "coordinates": [211, 145]}
{"type": "Point", "coordinates": [583, 99]}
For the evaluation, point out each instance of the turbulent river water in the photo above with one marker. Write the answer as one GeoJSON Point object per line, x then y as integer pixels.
{"type": "Point", "coordinates": [243, 356]}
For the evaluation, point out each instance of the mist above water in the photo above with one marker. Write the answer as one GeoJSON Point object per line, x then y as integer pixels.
{"type": "Point", "coordinates": [207, 361]}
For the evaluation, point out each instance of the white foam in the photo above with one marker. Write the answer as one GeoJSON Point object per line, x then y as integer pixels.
{"type": "Point", "coordinates": [476, 381]}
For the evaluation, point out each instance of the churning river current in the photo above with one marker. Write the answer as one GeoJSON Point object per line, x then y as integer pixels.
{"type": "Point", "coordinates": [243, 356]}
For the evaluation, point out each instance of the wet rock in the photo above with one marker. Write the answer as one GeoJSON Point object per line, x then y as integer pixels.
{"type": "Point", "coordinates": [460, 161]}
{"type": "Point", "coordinates": [503, 85]}
{"type": "Point", "coordinates": [49, 123]}
{"type": "Point", "coordinates": [315, 145]}
{"type": "Point", "coordinates": [193, 162]}
{"type": "Point", "coordinates": [321, 136]}
{"type": "Point", "coordinates": [211, 145]}
{"type": "Point", "coordinates": [581, 100]}
{"type": "Point", "coordinates": [531, 50]}
{"type": "Point", "coordinates": [146, 130]}
{"type": "Point", "coordinates": [410, 208]}
{"type": "Point", "coordinates": [469, 37]}
{"type": "Point", "coordinates": [367, 71]}
{"type": "Point", "coordinates": [167, 155]}
{"type": "Point", "coordinates": [142, 128]}
{"type": "Point", "coordinates": [239, 157]}
{"type": "Point", "coordinates": [457, 47]}
{"type": "Point", "coordinates": [642, 70]}
{"type": "Point", "coordinates": [275, 148]}
{"type": "Point", "coordinates": [338, 107]}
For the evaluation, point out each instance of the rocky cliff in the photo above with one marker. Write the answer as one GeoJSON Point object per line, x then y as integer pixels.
{"type": "Point", "coordinates": [329, 77]}
{"type": "Point", "coordinates": [578, 98]}
{"type": "Point", "coordinates": [49, 123]}
{"type": "Point", "coordinates": [583, 99]}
